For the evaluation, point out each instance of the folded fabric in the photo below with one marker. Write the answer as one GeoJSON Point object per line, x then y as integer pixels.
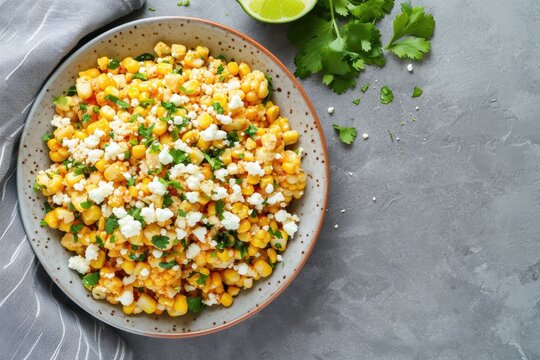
{"type": "Point", "coordinates": [38, 321]}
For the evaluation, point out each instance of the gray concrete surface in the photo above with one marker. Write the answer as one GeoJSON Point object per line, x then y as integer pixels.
{"type": "Point", "coordinates": [445, 263]}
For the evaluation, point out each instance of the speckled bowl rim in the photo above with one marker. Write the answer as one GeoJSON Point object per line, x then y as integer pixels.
{"type": "Point", "coordinates": [56, 73]}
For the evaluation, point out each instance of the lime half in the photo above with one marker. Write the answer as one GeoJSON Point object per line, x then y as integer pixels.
{"type": "Point", "coordinates": [277, 11]}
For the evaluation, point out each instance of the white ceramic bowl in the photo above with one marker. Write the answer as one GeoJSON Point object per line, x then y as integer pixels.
{"type": "Point", "coordinates": [132, 39]}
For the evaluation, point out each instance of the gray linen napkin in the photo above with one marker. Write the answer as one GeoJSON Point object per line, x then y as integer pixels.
{"type": "Point", "coordinates": [36, 320]}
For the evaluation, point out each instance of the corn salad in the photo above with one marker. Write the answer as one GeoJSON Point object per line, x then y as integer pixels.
{"type": "Point", "coordinates": [170, 179]}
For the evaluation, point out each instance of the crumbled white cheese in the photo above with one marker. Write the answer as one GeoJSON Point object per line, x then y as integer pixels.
{"type": "Point", "coordinates": [220, 174]}
{"type": "Point", "coordinates": [224, 119]}
{"type": "Point", "coordinates": [164, 157]}
{"type": "Point", "coordinates": [180, 233]}
{"type": "Point", "coordinates": [212, 300]}
{"type": "Point", "coordinates": [193, 217]}
{"type": "Point", "coordinates": [365, 136]}
{"type": "Point", "coordinates": [91, 252]}
{"type": "Point", "coordinates": [193, 182]}
{"type": "Point", "coordinates": [119, 212]}
{"type": "Point", "coordinates": [94, 155]}
{"type": "Point", "coordinates": [409, 68]}
{"type": "Point", "coordinates": [230, 221]}
{"type": "Point", "coordinates": [235, 102]}
{"type": "Point", "coordinates": [253, 168]}
{"type": "Point", "coordinates": [192, 196]}
{"type": "Point", "coordinates": [331, 109]}
{"type": "Point", "coordinates": [157, 253]}
{"type": "Point", "coordinates": [212, 133]}
{"type": "Point", "coordinates": [129, 226]}
{"type": "Point", "coordinates": [163, 214]}
{"type": "Point", "coordinates": [79, 186]}
{"type": "Point", "coordinates": [255, 199]}
{"type": "Point", "coordinates": [126, 297]}
{"type": "Point", "coordinates": [232, 168]}
{"type": "Point", "coordinates": [219, 192]}
{"type": "Point", "coordinates": [290, 228]}
{"type": "Point", "coordinates": [79, 264]}
{"type": "Point", "coordinates": [192, 251]}
{"type": "Point", "coordinates": [112, 151]}
{"type": "Point", "coordinates": [274, 199]}
{"type": "Point", "coordinates": [103, 190]}
{"type": "Point", "coordinates": [179, 100]}
{"type": "Point", "coordinates": [149, 214]}
{"type": "Point", "coordinates": [279, 257]}
{"type": "Point", "coordinates": [157, 187]}
{"type": "Point", "coordinates": [144, 272]}
{"type": "Point", "coordinates": [200, 233]}
{"type": "Point", "coordinates": [59, 121]}
{"type": "Point", "coordinates": [243, 268]}
{"type": "Point", "coordinates": [58, 198]}
{"type": "Point", "coordinates": [269, 189]}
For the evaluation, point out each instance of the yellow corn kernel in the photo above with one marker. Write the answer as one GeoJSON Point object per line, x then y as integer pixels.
{"type": "Point", "coordinates": [196, 156]}
{"type": "Point", "coordinates": [253, 179]}
{"type": "Point", "coordinates": [111, 90]}
{"type": "Point", "coordinates": [192, 87]}
{"type": "Point", "coordinates": [133, 92]}
{"type": "Point", "coordinates": [178, 51]}
{"type": "Point", "coordinates": [114, 172]}
{"type": "Point", "coordinates": [71, 178]}
{"type": "Point", "coordinates": [138, 151]}
{"type": "Point", "coordinates": [146, 303]}
{"type": "Point", "coordinates": [102, 81]}
{"type": "Point", "coordinates": [180, 304]}
{"type": "Point", "coordinates": [262, 268]}
{"type": "Point", "coordinates": [233, 69]}
{"type": "Point", "coordinates": [243, 69]}
{"type": "Point", "coordinates": [226, 299]}
{"type": "Point", "coordinates": [272, 255]}
{"type": "Point", "coordinates": [84, 88]}
{"type": "Point", "coordinates": [90, 73]}
{"type": "Point", "coordinates": [272, 113]}
{"type": "Point", "coordinates": [54, 185]}
{"type": "Point", "coordinates": [100, 261]}
{"type": "Point", "coordinates": [58, 156]}
{"type": "Point", "coordinates": [162, 49]}
{"type": "Point", "coordinates": [216, 279]}
{"type": "Point", "coordinates": [224, 255]}
{"type": "Point", "coordinates": [250, 144]}
{"type": "Point", "coordinates": [248, 190]}
{"type": "Point", "coordinates": [269, 141]}
{"type": "Point", "coordinates": [53, 144]}
{"type": "Point", "coordinates": [191, 137]}
{"type": "Point", "coordinates": [51, 219]}
{"type": "Point", "coordinates": [290, 137]}
{"type": "Point", "coordinates": [289, 168]}
{"type": "Point", "coordinates": [103, 62]}
{"type": "Point", "coordinates": [128, 266]}
{"type": "Point", "coordinates": [128, 309]}
{"type": "Point", "coordinates": [91, 215]}
{"type": "Point", "coordinates": [164, 68]}
{"type": "Point", "coordinates": [245, 225]}
{"type": "Point", "coordinates": [131, 65]}
{"type": "Point", "coordinates": [102, 125]}
{"type": "Point", "coordinates": [203, 145]}
{"type": "Point", "coordinates": [166, 139]}
{"type": "Point", "coordinates": [205, 120]}
{"type": "Point", "coordinates": [265, 181]}
{"type": "Point", "coordinates": [101, 164]}
{"type": "Point", "coordinates": [231, 276]}
{"type": "Point", "coordinates": [160, 128]}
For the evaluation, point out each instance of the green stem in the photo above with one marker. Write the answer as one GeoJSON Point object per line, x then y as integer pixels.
{"type": "Point", "coordinates": [333, 18]}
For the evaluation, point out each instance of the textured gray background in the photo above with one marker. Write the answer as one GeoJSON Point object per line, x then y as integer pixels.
{"type": "Point", "coordinates": [444, 265]}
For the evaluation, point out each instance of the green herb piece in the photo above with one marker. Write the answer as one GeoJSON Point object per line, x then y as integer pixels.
{"type": "Point", "coordinates": [402, 123]}
{"type": "Point", "coordinates": [113, 64]}
{"type": "Point", "coordinates": [147, 102]}
{"type": "Point", "coordinates": [136, 213]}
{"type": "Point", "coordinates": [346, 134]}
{"type": "Point", "coordinates": [130, 181]}
{"type": "Point", "coordinates": [172, 183]}
{"type": "Point", "coordinates": [145, 57]}
{"type": "Point", "coordinates": [86, 204]}
{"type": "Point", "coordinates": [167, 200]}
{"type": "Point", "coordinates": [215, 163]}
{"type": "Point", "coordinates": [47, 207]}
{"type": "Point", "coordinates": [160, 241]}
{"type": "Point", "coordinates": [251, 131]}
{"type": "Point", "coordinates": [140, 257]}
{"type": "Point", "coordinates": [47, 137]}
{"type": "Point", "coordinates": [151, 9]}
{"type": "Point", "coordinates": [83, 107]}
{"type": "Point", "coordinates": [43, 223]}
{"type": "Point", "coordinates": [387, 96]}
{"type": "Point", "coordinates": [417, 28]}
{"type": "Point", "coordinates": [221, 57]}
{"type": "Point", "coordinates": [278, 246]}
{"type": "Point", "coordinates": [390, 135]}
{"type": "Point", "coordinates": [220, 206]}
{"type": "Point", "coordinates": [186, 91]}
{"type": "Point", "coordinates": [169, 106]}
{"type": "Point", "coordinates": [220, 69]}
{"type": "Point", "coordinates": [183, 3]}
{"type": "Point", "coordinates": [74, 229]}
{"type": "Point", "coordinates": [140, 76]}
{"type": "Point", "coordinates": [60, 101]}
{"type": "Point", "coordinates": [276, 233]}
{"type": "Point", "coordinates": [217, 106]}
{"type": "Point", "coordinates": [253, 213]}
{"type": "Point", "coordinates": [91, 279]}
{"type": "Point", "coordinates": [178, 156]}
{"type": "Point", "coordinates": [364, 88]}
{"type": "Point", "coordinates": [270, 88]}
{"type": "Point", "coordinates": [111, 224]}
{"type": "Point", "coordinates": [182, 213]}
{"type": "Point", "coordinates": [154, 148]}
{"type": "Point", "coordinates": [233, 137]}
{"type": "Point", "coordinates": [417, 92]}
{"type": "Point", "coordinates": [71, 91]}
{"type": "Point", "coordinates": [195, 304]}
{"type": "Point", "coordinates": [356, 101]}
{"type": "Point", "coordinates": [167, 265]}
{"type": "Point", "coordinates": [99, 241]}
{"type": "Point", "coordinates": [146, 132]}
{"type": "Point", "coordinates": [117, 101]}
{"type": "Point", "coordinates": [184, 243]}
{"type": "Point", "coordinates": [95, 109]}
{"type": "Point", "coordinates": [86, 118]}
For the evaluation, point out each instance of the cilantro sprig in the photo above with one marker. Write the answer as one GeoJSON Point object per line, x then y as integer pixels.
{"type": "Point", "coordinates": [347, 135]}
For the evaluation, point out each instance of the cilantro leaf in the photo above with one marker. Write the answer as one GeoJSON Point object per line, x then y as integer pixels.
{"type": "Point", "coordinates": [160, 241]}
{"type": "Point", "coordinates": [113, 64]}
{"type": "Point", "coordinates": [140, 76]}
{"type": "Point", "coordinates": [346, 134]}
{"type": "Point", "coordinates": [364, 88]}
{"type": "Point", "coordinates": [387, 96]}
{"type": "Point", "coordinates": [195, 304]}
{"type": "Point", "coordinates": [71, 91]}
{"type": "Point", "coordinates": [140, 257]}
{"type": "Point", "coordinates": [111, 224]}
{"type": "Point", "coordinates": [117, 101]}
{"type": "Point", "coordinates": [178, 156]}
{"type": "Point", "coordinates": [356, 101]}
{"type": "Point", "coordinates": [145, 57]}
{"type": "Point", "coordinates": [47, 137]}
{"type": "Point", "coordinates": [167, 265]}
{"type": "Point", "coordinates": [215, 163]}
{"type": "Point", "coordinates": [90, 279]}
{"type": "Point", "coordinates": [220, 206]}
{"type": "Point", "coordinates": [418, 26]}
{"type": "Point", "coordinates": [251, 131]}
{"type": "Point", "coordinates": [417, 92]}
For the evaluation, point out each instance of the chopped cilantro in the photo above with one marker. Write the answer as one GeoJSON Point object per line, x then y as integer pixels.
{"type": "Point", "coordinates": [182, 213]}
{"type": "Point", "coordinates": [169, 106]}
{"type": "Point", "coordinates": [346, 134]}
{"type": "Point", "coordinates": [232, 137]}
{"type": "Point", "coordinates": [91, 279]}
{"type": "Point", "coordinates": [172, 183]}
{"type": "Point", "coordinates": [364, 88]}
{"type": "Point", "coordinates": [160, 241]}
{"type": "Point", "coordinates": [83, 107]}
{"type": "Point", "coordinates": [356, 101]}
{"type": "Point", "coordinates": [86, 118]}
{"type": "Point", "coordinates": [387, 96]}
{"type": "Point", "coordinates": [270, 88]}
{"type": "Point", "coordinates": [186, 91]}
{"type": "Point", "coordinates": [140, 76]}
{"type": "Point", "coordinates": [417, 92]}
{"type": "Point", "coordinates": [140, 257]}
{"type": "Point", "coordinates": [47, 137]}
{"type": "Point", "coordinates": [74, 229]}
{"type": "Point", "coordinates": [86, 204]}
{"type": "Point", "coordinates": [220, 69]}
{"type": "Point", "coordinates": [60, 101]}
{"type": "Point", "coordinates": [146, 132]}
{"type": "Point", "coordinates": [251, 131]}
{"type": "Point", "coordinates": [95, 109]}
{"type": "Point", "coordinates": [47, 206]}
{"type": "Point", "coordinates": [113, 64]}
{"type": "Point", "coordinates": [215, 163]}
{"type": "Point", "coordinates": [220, 206]}
{"type": "Point", "coordinates": [178, 156]}
{"type": "Point", "coordinates": [195, 304]}
{"type": "Point", "coordinates": [217, 106]}
{"type": "Point", "coordinates": [147, 102]}
{"type": "Point", "coordinates": [114, 99]}
{"type": "Point", "coordinates": [145, 57]}
{"type": "Point", "coordinates": [99, 241]}
{"type": "Point", "coordinates": [72, 90]}
{"type": "Point", "coordinates": [167, 200]}
{"type": "Point", "coordinates": [131, 181]}
{"type": "Point", "coordinates": [43, 223]}
{"type": "Point", "coordinates": [111, 224]}
{"type": "Point", "coordinates": [167, 265]}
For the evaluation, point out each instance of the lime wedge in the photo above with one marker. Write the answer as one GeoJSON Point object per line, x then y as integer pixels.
{"type": "Point", "coordinates": [277, 11]}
